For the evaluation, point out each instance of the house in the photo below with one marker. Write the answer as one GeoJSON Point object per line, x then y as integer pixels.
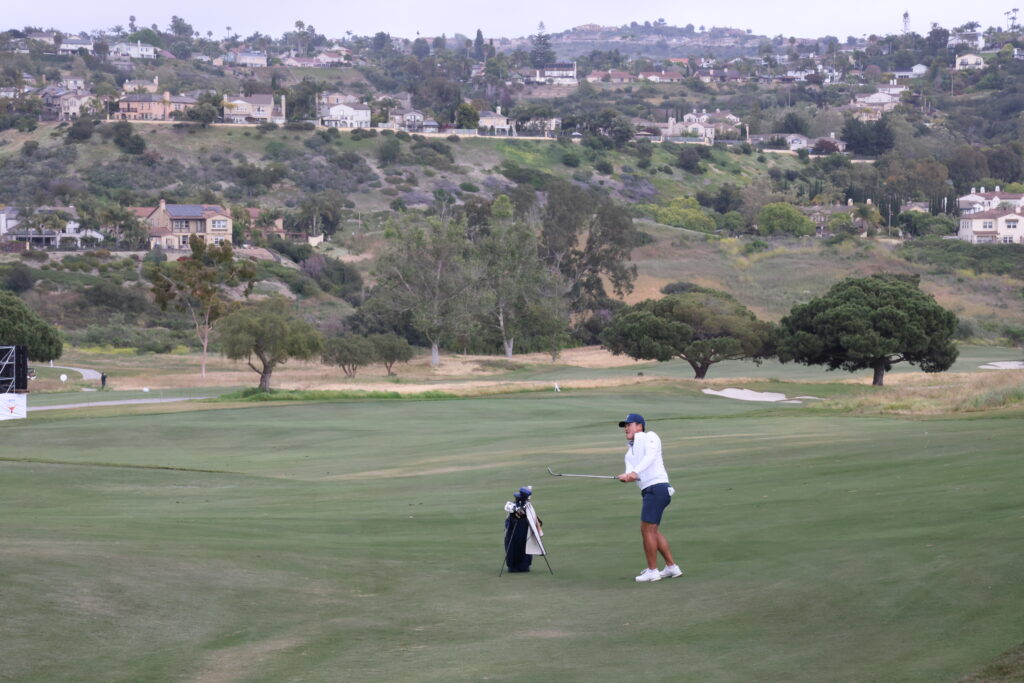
{"type": "Point", "coordinates": [346, 116]}
{"type": "Point", "coordinates": [254, 109]}
{"type": "Point", "coordinates": [969, 62]}
{"type": "Point", "coordinates": [151, 107]}
{"type": "Point", "coordinates": [132, 86]}
{"type": "Point", "coordinates": [995, 226]}
{"type": "Point", "coordinates": [497, 123]}
{"type": "Point", "coordinates": [245, 58]}
{"type": "Point", "coordinates": [273, 228]}
{"type": "Point", "coordinates": [610, 77]}
{"type": "Point", "coordinates": [431, 126]}
{"type": "Point", "coordinates": [978, 200]}
{"type": "Point", "coordinates": [71, 46]}
{"type": "Point", "coordinates": [136, 50]}
{"type": "Point", "coordinates": [72, 83]}
{"type": "Point", "coordinates": [563, 73]}
{"type": "Point", "coordinates": [791, 141]}
{"type": "Point", "coordinates": [171, 225]}
{"type": "Point", "coordinates": [301, 62]}
{"type": "Point", "coordinates": [971, 39]}
{"type": "Point", "coordinates": [326, 99]}
{"type": "Point", "coordinates": [916, 71]}
{"type": "Point", "coordinates": [407, 119]}
{"type": "Point", "coordinates": [69, 234]}
{"type": "Point", "coordinates": [661, 76]}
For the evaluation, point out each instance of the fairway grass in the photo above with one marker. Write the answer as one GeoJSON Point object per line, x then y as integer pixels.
{"type": "Point", "coordinates": [361, 541]}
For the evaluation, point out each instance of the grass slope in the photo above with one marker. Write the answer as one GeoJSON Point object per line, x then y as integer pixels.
{"type": "Point", "coordinates": [362, 540]}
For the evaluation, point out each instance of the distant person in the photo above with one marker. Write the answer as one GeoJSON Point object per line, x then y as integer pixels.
{"type": "Point", "coordinates": [644, 466]}
{"type": "Point", "coordinates": [103, 381]}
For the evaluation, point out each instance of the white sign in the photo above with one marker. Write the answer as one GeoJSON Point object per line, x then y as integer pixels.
{"type": "Point", "coordinates": [13, 406]}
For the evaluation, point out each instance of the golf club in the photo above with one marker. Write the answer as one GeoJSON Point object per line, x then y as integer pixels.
{"type": "Point", "coordinates": [588, 476]}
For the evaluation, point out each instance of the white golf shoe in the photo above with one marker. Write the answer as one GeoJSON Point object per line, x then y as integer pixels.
{"type": "Point", "coordinates": [649, 575]}
{"type": "Point", "coordinates": [671, 571]}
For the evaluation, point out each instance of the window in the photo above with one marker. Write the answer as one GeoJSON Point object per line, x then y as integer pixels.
{"type": "Point", "coordinates": [1007, 239]}
{"type": "Point", "coordinates": [987, 225]}
{"type": "Point", "coordinates": [1011, 225]}
{"type": "Point", "coordinates": [219, 224]}
{"type": "Point", "coordinates": [179, 226]}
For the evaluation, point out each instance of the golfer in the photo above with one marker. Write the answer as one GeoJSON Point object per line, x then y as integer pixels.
{"type": "Point", "coordinates": [645, 467]}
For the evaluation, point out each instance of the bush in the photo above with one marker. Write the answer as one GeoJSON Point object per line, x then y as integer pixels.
{"type": "Point", "coordinates": [453, 138]}
{"type": "Point", "coordinates": [35, 255]}
{"type": "Point", "coordinates": [300, 125]}
{"type": "Point", "coordinates": [20, 278]}
{"type": "Point", "coordinates": [570, 159]}
{"type": "Point", "coordinates": [604, 167]}
{"type": "Point", "coordinates": [266, 127]}
{"type": "Point", "coordinates": [468, 187]}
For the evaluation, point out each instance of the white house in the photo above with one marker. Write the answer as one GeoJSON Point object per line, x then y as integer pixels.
{"type": "Point", "coordinates": [496, 122]}
{"type": "Point", "coordinates": [997, 226]}
{"type": "Point", "coordinates": [136, 50]}
{"type": "Point", "coordinates": [71, 46]}
{"type": "Point", "coordinates": [969, 62]}
{"type": "Point", "coordinates": [916, 71]}
{"type": "Point", "coordinates": [979, 200]}
{"type": "Point", "coordinates": [346, 116]}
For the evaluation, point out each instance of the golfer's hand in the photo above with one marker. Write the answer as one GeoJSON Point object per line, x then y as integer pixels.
{"type": "Point", "coordinates": [629, 476]}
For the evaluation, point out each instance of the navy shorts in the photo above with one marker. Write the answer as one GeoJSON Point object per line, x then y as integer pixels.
{"type": "Point", "coordinates": [656, 499]}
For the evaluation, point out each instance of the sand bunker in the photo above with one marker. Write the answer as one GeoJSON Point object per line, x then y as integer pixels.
{"type": "Point", "coordinates": [765, 396]}
{"type": "Point", "coordinates": [1003, 365]}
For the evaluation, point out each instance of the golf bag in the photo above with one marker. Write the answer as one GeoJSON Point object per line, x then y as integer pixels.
{"type": "Point", "coordinates": [522, 532]}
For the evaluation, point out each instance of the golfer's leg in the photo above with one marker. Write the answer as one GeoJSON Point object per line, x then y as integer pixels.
{"type": "Point", "coordinates": [664, 549]}
{"type": "Point", "coordinates": [650, 534]}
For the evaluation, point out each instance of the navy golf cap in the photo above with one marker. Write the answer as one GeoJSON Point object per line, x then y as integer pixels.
{"type": "Point", "coordinates": [633, 417]}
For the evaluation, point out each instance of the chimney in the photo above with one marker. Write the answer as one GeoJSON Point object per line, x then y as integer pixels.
{"type": "Point", "coordinates": [284, 113]}
{"type": "Point", "coordinates": [163, 204]}
{"type": "Point", "coordinates": [973, 190]}
{"type": "Point", "coordinates": [983, 189]}
{"type": "Point", "coordinates": [167, 95]}
{"type": "Point", "coordinates": [868, 201]}
{"type": "Point", "coordinates": [849, 202]}
{"type": "Point", "coordinates": [997, 188]}
{"type": "Point", "coordinates": [832, 135]}
{"type": "Point", "coordinates": [497, 110]}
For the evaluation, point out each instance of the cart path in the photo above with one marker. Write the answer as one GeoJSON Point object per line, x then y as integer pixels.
{"type": "Point", "coordinates": [125, 402]}
{"type": "Point", "coordinates": [86, 373]}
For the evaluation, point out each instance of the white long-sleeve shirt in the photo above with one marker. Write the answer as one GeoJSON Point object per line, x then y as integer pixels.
{"type": "Point", "coordinates": [644, 458]}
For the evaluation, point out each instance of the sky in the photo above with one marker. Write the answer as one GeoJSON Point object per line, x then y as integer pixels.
{"type": "Point", "coordinates": [409, 18]}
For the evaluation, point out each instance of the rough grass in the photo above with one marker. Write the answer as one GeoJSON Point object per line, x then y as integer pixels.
{"type": "Point", "coordinates": [938, 394]}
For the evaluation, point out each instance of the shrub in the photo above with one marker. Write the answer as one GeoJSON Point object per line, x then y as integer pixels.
{"type": "Point", "coordinates": [570, 159]}
{"type": "Point", "coordinates": [453, 138]}
{"type": "Point", "coordinates": [35, 255]}
{"type": "Point", "coordinates": [468, 187]}
{"type": "Point", "coordinates": [604, 167]}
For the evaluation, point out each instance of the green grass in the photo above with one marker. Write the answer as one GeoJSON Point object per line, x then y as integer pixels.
{"type": "Point", "coordinates": [362, 541]}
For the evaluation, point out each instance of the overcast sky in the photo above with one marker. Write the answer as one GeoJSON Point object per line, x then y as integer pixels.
{"type": "Point", "coordinates": [406, 18]}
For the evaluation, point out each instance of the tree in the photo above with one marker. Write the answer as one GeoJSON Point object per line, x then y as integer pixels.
{"type": "Point", "coordinates": [391, 349]}
{"type": "Point", "coordinates": [425, 272]}
{"type": "Point", "coordinates": [514, 283]}
{"type": "Point", "coordinates": [541, 52]}
{"type": "Point", "coordinates": [21, 326]}
{"type": "Point", "coordinates": [272, 332]}
{"type": "Point", "coordinates": [702, 326]}
{"type": "Point", "coordinates": [587, 239]}
{"type": "Point", "coordinates": [19, 278]}
{"type": "Point", "coordinates": [872, 322]}
{"type": "Point", "coordinates": [349, 352]}
{"type": "Point", "coordinates": [466, 116]}
{"type": "Point", "coordinates": [197, 285]}
{"type": "Point", "coordinates": [780, 218]}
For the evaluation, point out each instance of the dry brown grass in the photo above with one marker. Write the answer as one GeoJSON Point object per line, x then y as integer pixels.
{"type": "Point", "coordinates": [937, 394]}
